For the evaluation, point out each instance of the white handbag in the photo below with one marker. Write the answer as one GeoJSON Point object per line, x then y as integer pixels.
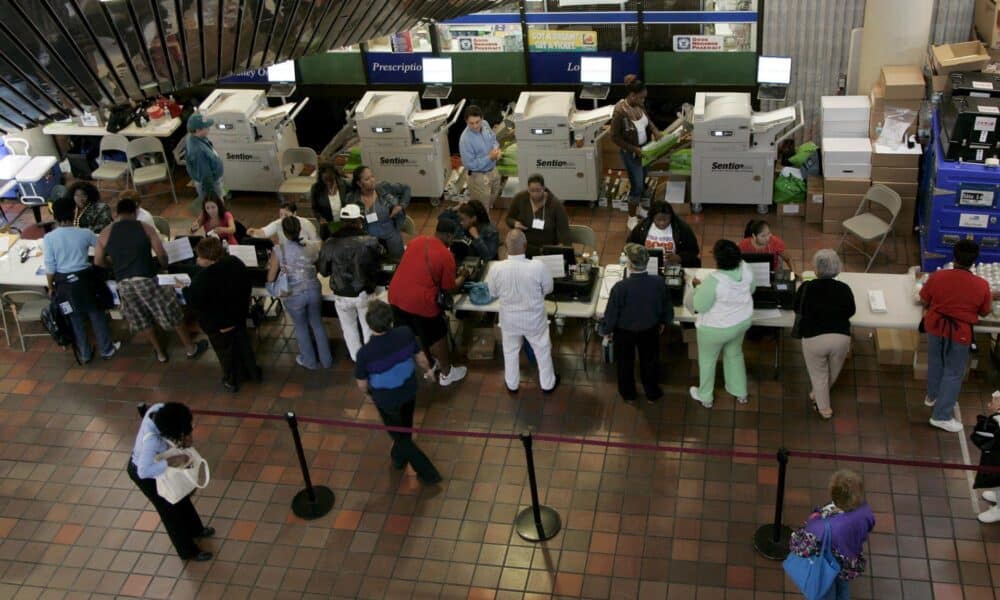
{"type": "Point", "coordinates": [177, 483]}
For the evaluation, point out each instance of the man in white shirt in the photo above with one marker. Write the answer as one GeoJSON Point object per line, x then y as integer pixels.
{"type": "Point", "coordinates": [272, 229]}
{"type": "Point", "coordinates": [521, 285]}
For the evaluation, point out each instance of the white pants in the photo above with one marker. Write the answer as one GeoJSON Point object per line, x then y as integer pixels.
{"type": "Point", "coordinates": [542, 347]}
{"type": "Point", "coordinates": [351, 311]}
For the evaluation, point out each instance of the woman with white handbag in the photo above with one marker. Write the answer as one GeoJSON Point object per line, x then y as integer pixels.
{"type": "Point", "coordinates": [167, 470]}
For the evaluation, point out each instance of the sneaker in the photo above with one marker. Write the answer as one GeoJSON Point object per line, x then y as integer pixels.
{"type": "Point", "coordinates": [554, 385]}
{"type": "Point", "coordinates": [742, 399]}
{"type": "Point", "coordinates": [115, 347]}
{"type": "Point", "coordinates": [456, 374]}
{"type": "Point", "coordinates": [632, 222]}
{"type": "Point", "coordinates": [302, 362]}
{"type": "Point", "coordinates": [694, 394]}
{"type": "Point", "coordinates": [434, 372]}
{"type": "Point", "coordinates": [991, 515]}
{"type": "Point", "coordinates": [950, 425]}
{"type": "Point", "coordinates": [990, 496]}
{"type": "Point", "coordinates": [928, 401]}
{"type": "Point", "coordinates": [199, 349]}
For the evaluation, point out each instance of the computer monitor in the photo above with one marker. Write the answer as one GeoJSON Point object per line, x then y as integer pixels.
{"type": "Point", "coordinates": [283, 72]}
{"type": "Point", "coordinates": [761, 264]}
{"type": "Point", "coordinates": [567, 252]}
{"type": "Point", "coordinates": [595, 69]}
{"type": "Point", "coordinates": [437, 70]}
{"type": "Point", "coordinates": [774, 70]}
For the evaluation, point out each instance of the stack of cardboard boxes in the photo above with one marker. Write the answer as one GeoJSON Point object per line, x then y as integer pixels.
{"type": "Point", "coordinates": [846, 161]}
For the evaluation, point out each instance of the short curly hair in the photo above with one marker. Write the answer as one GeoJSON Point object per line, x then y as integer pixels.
{"type": "Point", "coordinates": [847, 490]}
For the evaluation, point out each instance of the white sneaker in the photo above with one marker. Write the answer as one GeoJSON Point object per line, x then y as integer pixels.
{"type": "Point", "coordinates": [694, 394]}
{"type": "Point", "coordinates": [743, 399]}
{"type": "Point", "coordinates": [928, 401]}
{"type": "Point", "coordinates": [641, 212]}
{"type": "Point", "coordinates": [456, 374]}
{"type": "Point", "coordinates": [950, 425]}
{"type": "Point", "coordinates": [992, 515]}
{"type": "Point", "coordinates": [990, 496]}
{"type": "Point", "coordinates": [632, 222]}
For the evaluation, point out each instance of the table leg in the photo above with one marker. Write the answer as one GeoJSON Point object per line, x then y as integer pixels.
{"type": "Point", "coordinates": [588, 333]}
{"type": "Point", "coordinates": [777, 354]}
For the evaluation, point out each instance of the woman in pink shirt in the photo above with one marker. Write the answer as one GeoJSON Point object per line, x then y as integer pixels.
{"type": "Point", "coordinates": [216, 218]}
{"type": "Point", "coordinates": [758, 239]}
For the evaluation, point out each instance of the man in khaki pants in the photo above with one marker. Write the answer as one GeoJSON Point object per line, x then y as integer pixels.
{"type": "Point", "coordinates": [479, 150]}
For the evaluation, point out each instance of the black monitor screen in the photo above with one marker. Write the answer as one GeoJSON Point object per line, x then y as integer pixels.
{"type": "Point", "coordinates": [567, 252]}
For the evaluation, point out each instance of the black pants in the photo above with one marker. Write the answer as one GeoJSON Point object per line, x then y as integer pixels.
{"type": "Point", "coordinates": [404, 450]}
{"type": "Point", "coordinates": [647, 343]}
{"type": "Point", "coordinates": [235, 355]}
{"type": "Point", "coordinates": [181, 520]}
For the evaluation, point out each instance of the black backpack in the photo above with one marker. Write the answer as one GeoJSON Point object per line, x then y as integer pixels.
{"type": "Point", "coordinates": [59, 327]}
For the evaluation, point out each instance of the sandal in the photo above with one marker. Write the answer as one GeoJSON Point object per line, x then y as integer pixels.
{"type": "Point", "coordinates": [821, 415]}
{"type": "Point", "coordinates": [161, 359]}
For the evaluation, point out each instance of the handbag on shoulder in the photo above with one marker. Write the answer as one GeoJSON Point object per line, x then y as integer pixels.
{"type": "Point", "coordinates": [177, 483]}
{"type": "Point", "coordinates": [279, 287]}
{"type": "Point", "coordinates": [816, 574]}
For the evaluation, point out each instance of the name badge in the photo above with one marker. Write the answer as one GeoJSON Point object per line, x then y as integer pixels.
{"type": "Point", "coordinates": [538, 223]}
{"type": "Point", "coordinates": [371, 217]}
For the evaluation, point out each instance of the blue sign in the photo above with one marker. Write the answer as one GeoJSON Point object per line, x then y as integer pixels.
{"type": "Point", "coordinates": [564, 67]}
{"type": "Point", "coordinates": [253, 76]}
{"type": "Point", "coordinates": [387, 67]}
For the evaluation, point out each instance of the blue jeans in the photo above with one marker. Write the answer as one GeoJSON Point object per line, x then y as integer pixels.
{"type": "Point", "coordinates": [102, 334]}
{"type": "Point", "coordinates": [946, 362]}
{"type": "Point", "coordinates": [636, 175]}
{"type": "Point", "coordinates": [386, 232]}
{"type": "Point", "coordinates": [304, 308]}
{"type": "Point", "coordinates": [840, 590]}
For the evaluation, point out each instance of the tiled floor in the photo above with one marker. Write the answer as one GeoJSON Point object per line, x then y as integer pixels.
{"type": "Point", "coordinates": [635, 524]}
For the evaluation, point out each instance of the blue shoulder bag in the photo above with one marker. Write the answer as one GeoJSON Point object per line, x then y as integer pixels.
{"type": "Point", "coordinates": [816, 574]}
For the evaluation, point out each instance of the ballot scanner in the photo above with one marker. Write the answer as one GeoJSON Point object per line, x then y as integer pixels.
{"type": "Point", "coordinates": [250, 137]}
{"type": "Point", "coordinates": [560, 142]}
{"type": "Point", "coordinates": [404, 144]}
{"type": "Point", "coordinates": [734, 149]}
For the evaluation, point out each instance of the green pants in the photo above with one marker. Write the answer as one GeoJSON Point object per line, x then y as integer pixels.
{"type": "Point", "coordinates": [728, 341]}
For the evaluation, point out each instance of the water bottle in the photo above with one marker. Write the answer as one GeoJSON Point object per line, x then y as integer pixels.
{"type": "Point", "coordinates": [594, 260]}
{"type": "Point", "coordinates": [622, 260]}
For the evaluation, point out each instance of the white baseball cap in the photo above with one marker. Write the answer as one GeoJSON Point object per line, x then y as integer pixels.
{"type": "Point", "coordinates": [351, 211]}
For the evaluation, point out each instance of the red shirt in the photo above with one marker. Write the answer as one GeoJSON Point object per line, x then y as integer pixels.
{"type": "Point", "coordinates": [227, 220]}
{"type": "Point", "coordinates": [774, 246]}
{"type": "Point", "coordinates": [427, 266]}
{"type": "Point", "coordinates": [960, 295]}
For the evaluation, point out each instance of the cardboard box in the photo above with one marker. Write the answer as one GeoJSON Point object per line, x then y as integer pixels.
{"type": "Point", "coordinates": [482, 343]}
{"type": "Point", "coordinates": [793, 209]}
{"type": "Point", "coordinates": [903, 189]}
{"type": "Point", "coordinates": [986, 16]}
{"type": "Point", "coordinates": [841, 201]}
{"type": "Point", "coordinates": [689, 335]}
{"type": "Point", "coordinates": [900, 160]}
{"type": "Point", "coordinates": [966, 56]}
{"type": "Point", "coordinates": [832, 226]}
{"type": "Point", "coordinates": [840, 213]}
{"type": "Point", "coordinates": [814, 200]}
{"type": "Point", "coordinates": [895, 347]}
{"type": "Point", "coordinates": [879, 103]}
{"type": "Point", "coordinates": [832, 185]}
{"type": "Point", "coordinates": [896, 174]}
{"type": "Point", "coordinates": [902, 82]}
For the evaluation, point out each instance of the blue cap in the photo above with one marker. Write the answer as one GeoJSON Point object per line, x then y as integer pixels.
{"type": "Point", "coordinates": [197, 121]}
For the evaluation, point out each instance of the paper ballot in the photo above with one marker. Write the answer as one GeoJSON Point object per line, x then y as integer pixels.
{"type": "Point", "coordinates": [178, 250]}
{"type": "Point", "coordinates": [172, 278]}
{"type": "Point", "coordinates": [555, 263]}
{"type": "Point", "coordinates": [761, 273]}
{"type": "Point", "coordinates": [612, 275]}
{"type": "Point", "coordinates": [247, 254]}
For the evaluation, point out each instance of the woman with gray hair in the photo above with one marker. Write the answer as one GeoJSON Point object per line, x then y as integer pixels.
{"type": "Point", "coordinates": [825, 307]}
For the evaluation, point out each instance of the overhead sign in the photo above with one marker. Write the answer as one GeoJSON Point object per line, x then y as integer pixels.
{"type": "Point", "coordinates": [564, 67]}
{"type": "Point", "coordinates": [387, 67]}
{"type": "Point", "coordinates": [253, 76]}
{"type": "Point", "coordinates": [699, 43]}
{"type": "Point", "coordinates": [561, 40]}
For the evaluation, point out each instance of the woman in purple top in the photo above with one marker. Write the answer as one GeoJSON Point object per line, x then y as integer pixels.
{"type": "Point", "coordinates": [851, 519]}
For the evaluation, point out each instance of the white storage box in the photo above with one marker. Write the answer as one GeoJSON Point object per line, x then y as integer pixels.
{"type": "Point", "coordinates": [845, 116]}
{"type": "Point", "coordinates": [847, 158]}
{"type": "Point", "coordinates": [847, 170]}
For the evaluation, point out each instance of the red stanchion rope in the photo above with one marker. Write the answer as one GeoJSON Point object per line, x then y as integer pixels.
{"type": "Point", "coordinates": [604, 443]}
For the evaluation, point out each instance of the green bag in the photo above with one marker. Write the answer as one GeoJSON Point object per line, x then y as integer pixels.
{"type": "Point", "coordinates": [802, 154]}
{"type": "Point", "coordinates": [680, 162]}
{"type": "Point", "coordinates": [652, 151]}
{"type": "Point", "coordinates": [789, 190]}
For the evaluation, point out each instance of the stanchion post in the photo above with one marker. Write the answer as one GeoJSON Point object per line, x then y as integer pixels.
{"type": "Point", "coordinates": [314, 501]}
{"type": "Point", "coordinates": [142, 408]}
{"type": "Point", "coordinates": [537, 523]}
{"type": "Point", "coordinates": [771, 540]}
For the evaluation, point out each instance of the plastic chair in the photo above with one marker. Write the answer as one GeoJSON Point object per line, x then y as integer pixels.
{"type": "Point", "coordinates": [408, 227]}
{"type": "Point", "coordinates": [25, 307]}
{"type": "Point", "coordinates": [111, 170]}
{"type": "Point", "coordinates": [583, 235]}
{"type": "Point", "coordinates": [869, 227]}
{"type": "Point", "coordinates": [293, 162]}
{"type": "Point", "coordinates": [150, 173]}
{"type": "Point", "coordinates": [162, 225]}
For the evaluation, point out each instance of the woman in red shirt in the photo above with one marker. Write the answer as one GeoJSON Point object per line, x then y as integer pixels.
{"type": "Point", "coordinates": [758, 239]}
{"type": "Point", "coordinates": [216, 218]}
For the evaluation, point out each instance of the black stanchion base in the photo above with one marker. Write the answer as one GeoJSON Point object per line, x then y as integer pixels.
{"type": "Point", "coordinates": [525, 525]}
{"type": "Point", "coordinates": [763, 542]}
{"type": "Point", "coordinates": [304, 508]}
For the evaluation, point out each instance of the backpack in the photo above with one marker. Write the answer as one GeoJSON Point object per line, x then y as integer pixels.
{"type": "Point", "coordinates": [59, 327]}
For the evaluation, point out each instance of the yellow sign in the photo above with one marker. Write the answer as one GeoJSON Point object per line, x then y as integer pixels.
{"type": "Point", "coordinates": [561, 40]}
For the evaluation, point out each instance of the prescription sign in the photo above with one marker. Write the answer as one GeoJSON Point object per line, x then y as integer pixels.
{"type": "Point", "coordinates": [561, 40]}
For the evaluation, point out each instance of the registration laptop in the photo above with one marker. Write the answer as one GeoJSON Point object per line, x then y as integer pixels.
{"type": "Point", "coordinates": [774, 288]}
{"type": "Point", "coordinates": [575, 286]}
{"type": "Point", "coordinates": [774, 74]}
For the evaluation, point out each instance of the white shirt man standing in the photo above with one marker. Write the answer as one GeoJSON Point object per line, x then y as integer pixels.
{"type": "Point", "coordinates": [272, 229]}
{"type": "Point", "coordinates": [521, 285]}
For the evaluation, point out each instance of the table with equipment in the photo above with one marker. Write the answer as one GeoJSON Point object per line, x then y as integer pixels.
{"type": "Point", "coordinates": [404, 144]}
{"type": "Point", "coordinates": [560, 142]}
{"type": "Point", "coordinates": [161, 128]}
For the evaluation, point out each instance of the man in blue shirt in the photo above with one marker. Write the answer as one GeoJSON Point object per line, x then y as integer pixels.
{"type": "Point", "coordinates": [81, 295]}
{"type": "Point", "coordinates": [385, 371]}
{"type": "Point", "coordinates": [480, 151]}
{"type": "Point", "coordinates": [638, 311]}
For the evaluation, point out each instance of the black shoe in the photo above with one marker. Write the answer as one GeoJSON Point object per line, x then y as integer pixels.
{"type": "Point", "coordinates": [87, 361]}
{"type": "Point", "coordinates": [206, 532]}
{"type": "Point", "coordinates": [653, 399]}
{"type": "Point", "coordinates": [432, 479]}
{"type": "Point", "coordinates": [399, 465]}
{"type": "Point", "coordinates": [510, 391]}
{"type": "Point", "coordinates": [199, 349]}
{"type": "Point", "coordinates": [232, 388]}
{"type": "Point", "coordinates": [628, 400]}
{"type": "Point", "coordinates": [201, 556]}
{"type": "Point", "coordinates": [554, 386]}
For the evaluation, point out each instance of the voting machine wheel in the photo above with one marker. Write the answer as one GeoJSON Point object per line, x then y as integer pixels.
{"type": "Point", "coordinates": [696, 207]}
{"type": "Point", "coordinates": [763, 209]}
{"type": "Point", "coordinates": [436, 201]}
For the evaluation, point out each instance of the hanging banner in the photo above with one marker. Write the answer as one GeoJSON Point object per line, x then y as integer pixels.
{"type": "Point", "coordinates": [699, 43]}
{"type": "Point", "coordinates": [561, 40]}
{"type": "Point", "coordinates": [387, 67]}
{"type": "Point", "coordinates": [564, 67]}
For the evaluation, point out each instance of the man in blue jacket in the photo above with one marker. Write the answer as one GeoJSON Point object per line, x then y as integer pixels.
{"type": "Point", "coordinates": [203, 162]}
